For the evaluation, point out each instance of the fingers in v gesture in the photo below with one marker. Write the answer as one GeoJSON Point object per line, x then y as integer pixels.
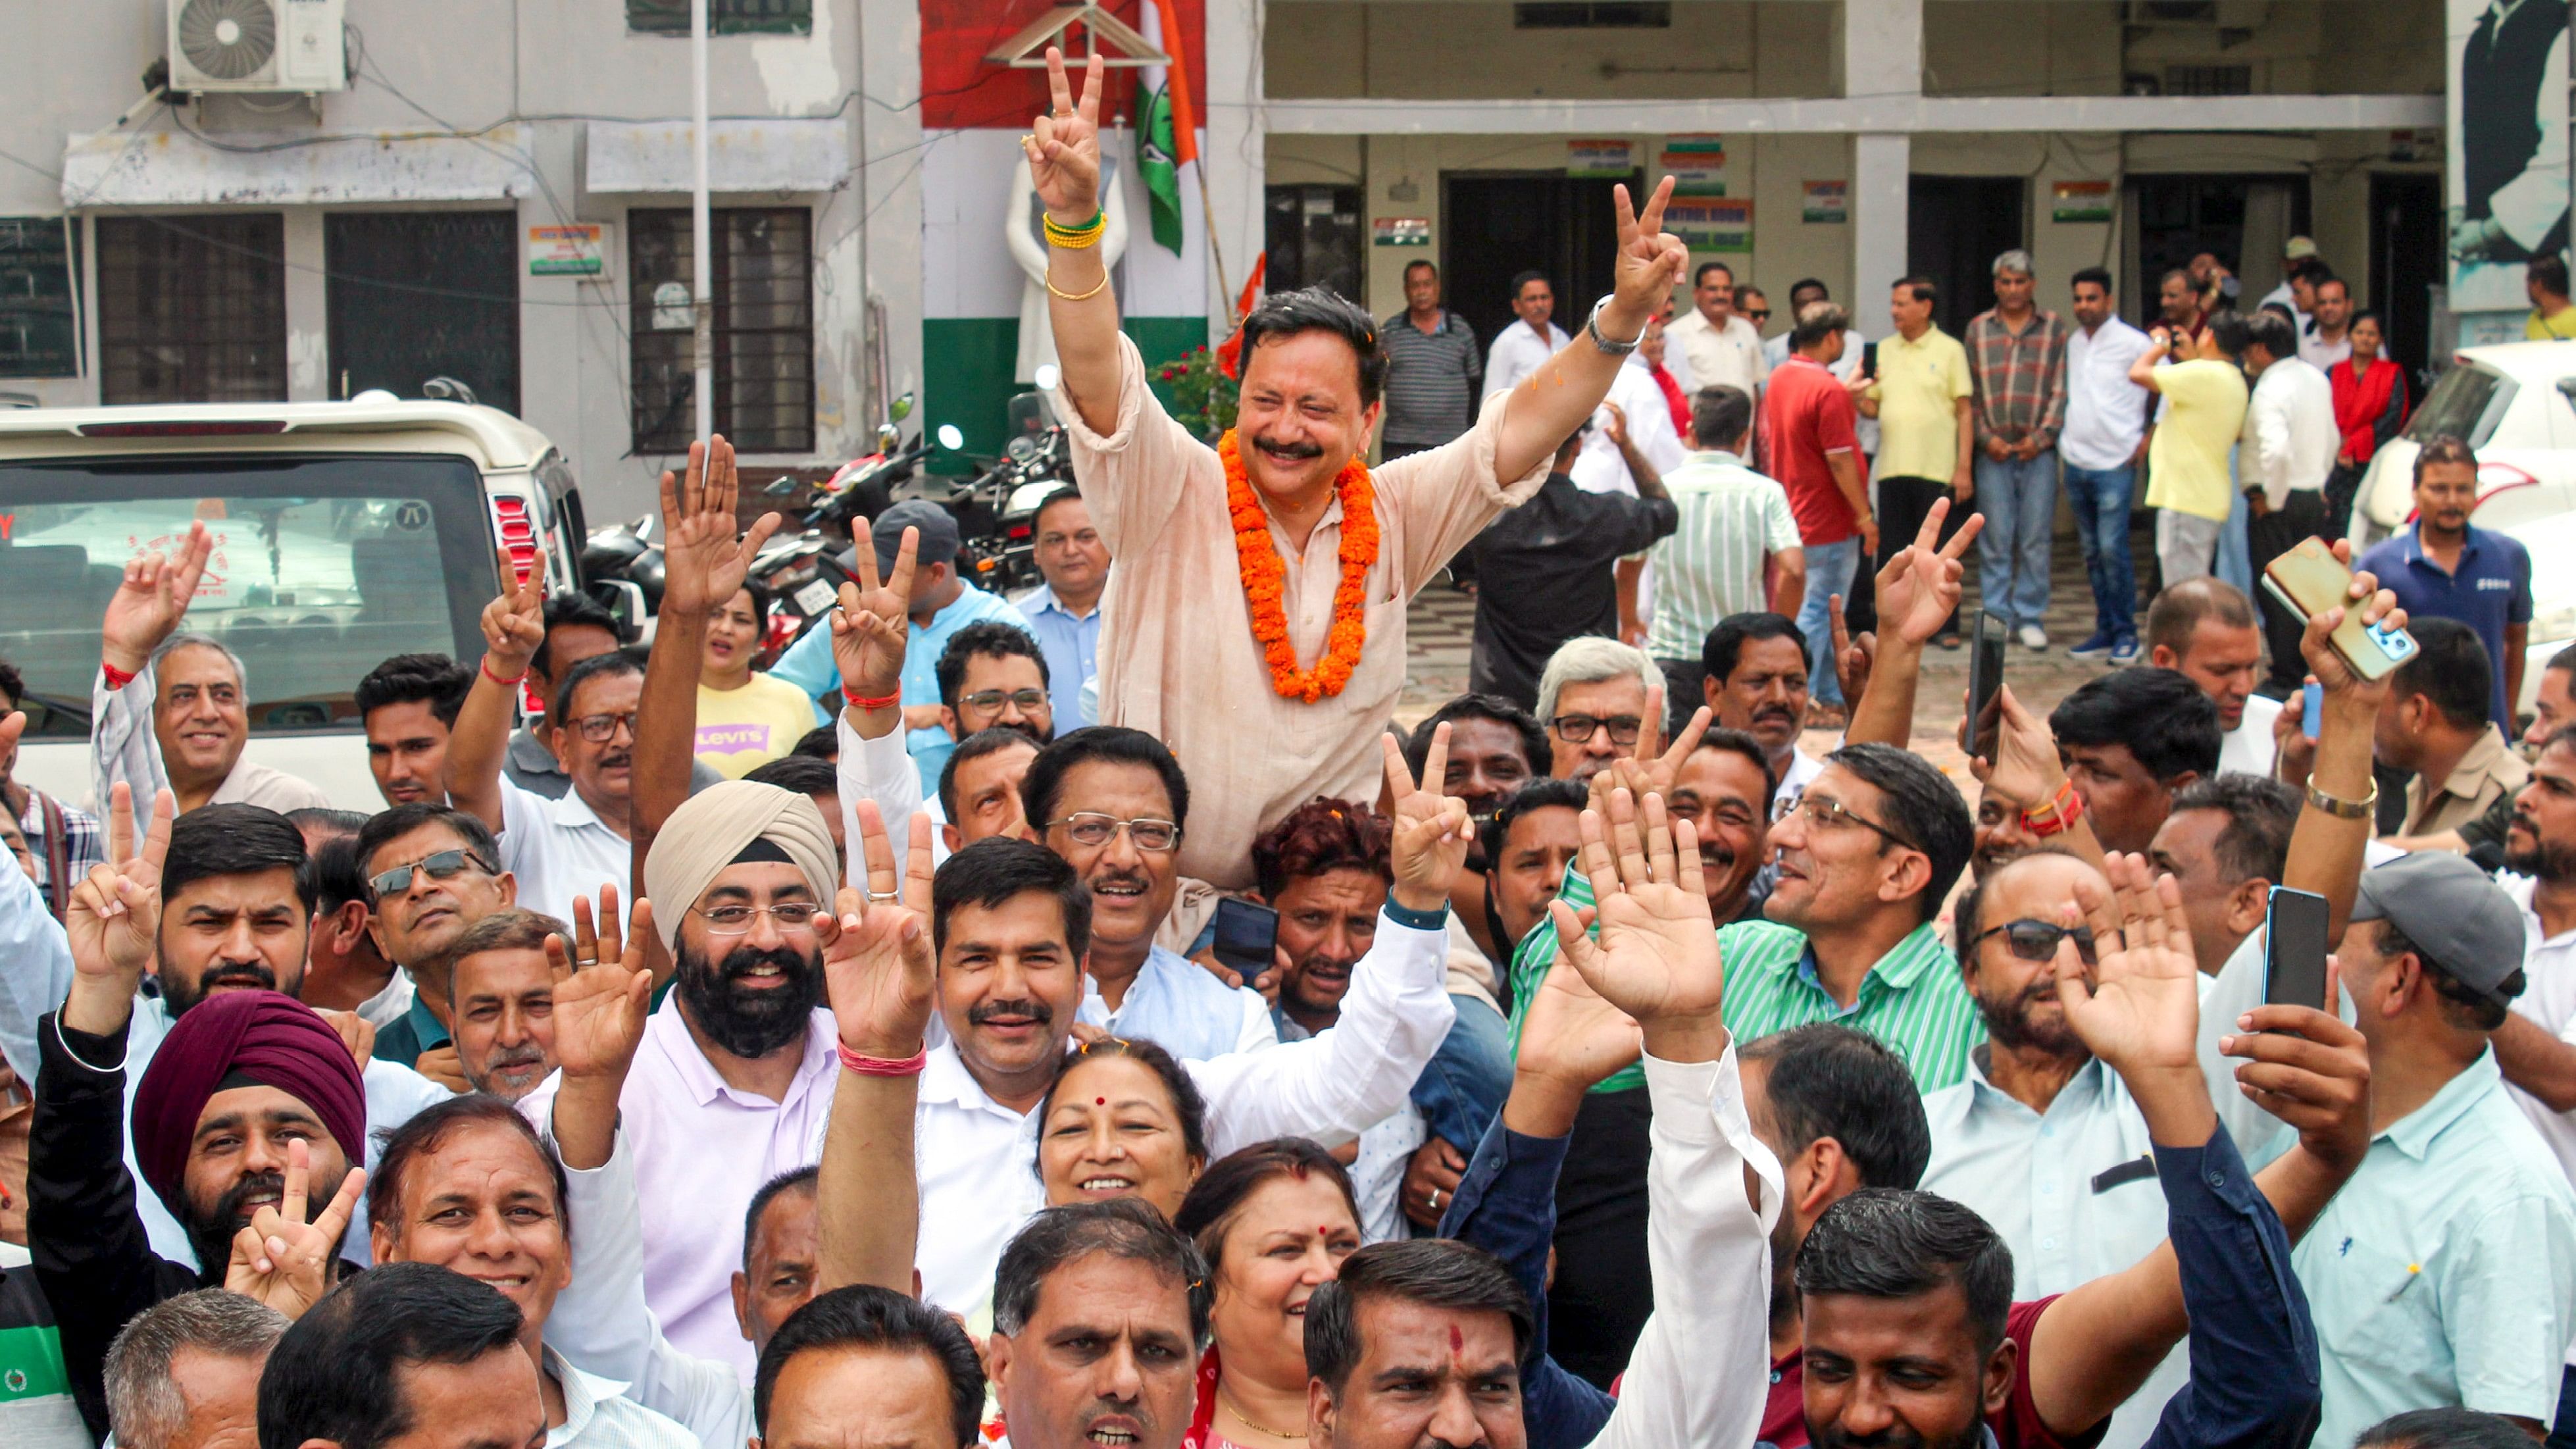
{"type": "Point", "coordinates": [282, 1260]}
{"type": "Point", "coordinates": [1919, 589]}
{"type": "Point", "coordinates": [878, 966]}
{"type": "Point", "coordinates": [153, 597]}
{"type": "Point", "coordinates": [602, 990]}
{"type": "Point", "coordinates": [114, 919]}
{"type": "Point", "coordinates": [1660, 764]}
{"type": "Point", "coordinates": [869, 628]}
{"type": "Point", "coordinates": [1063, 146]}
{"type": "Point", "coordinates": [1432, 831]}
{"type": "Point", "coordinates": [1651, 260]}
{"type": "Point", "coordinates": [514, 623]}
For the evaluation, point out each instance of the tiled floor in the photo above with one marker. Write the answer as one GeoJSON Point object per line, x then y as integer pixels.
{"type": "Point", "coordinates": [1440, 622]}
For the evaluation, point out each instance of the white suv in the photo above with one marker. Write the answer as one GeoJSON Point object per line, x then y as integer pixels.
{"type": "Point", "coordinates": [345, 533]}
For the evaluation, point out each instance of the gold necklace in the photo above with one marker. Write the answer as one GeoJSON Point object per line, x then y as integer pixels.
{"type": "Point", "coordinates": [1246, 1420]}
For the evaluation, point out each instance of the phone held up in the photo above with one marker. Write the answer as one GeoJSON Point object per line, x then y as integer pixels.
{"type": "Point", "coordinates": [2308, 580]}
{"type": "Point", "coordinates": [2294, 954]}
{"type": "Point", "coordinates": [1247, 936]}
{"type": "Point", "coordinates": [1981, 730]}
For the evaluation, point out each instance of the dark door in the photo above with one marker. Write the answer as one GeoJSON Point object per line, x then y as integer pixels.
{"type": "Point", "coordinates": [1313, 240]}
{"type": "Point", "coordinates": [1496, 226]}
{"type": "Point", "coordinates": [2179, 217]}
{"type": "Point", "coordinates": [1955, 227]}
{"type": "Point", "coordinates": [2405, 266]}
{"type": "Point", "coordinates": [422, 294]}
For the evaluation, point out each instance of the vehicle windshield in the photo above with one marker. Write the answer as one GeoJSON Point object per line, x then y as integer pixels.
{"type": "Point", "coordinates": [324, 566]}
{"type": "Point", "coordinates": [2466, 404]}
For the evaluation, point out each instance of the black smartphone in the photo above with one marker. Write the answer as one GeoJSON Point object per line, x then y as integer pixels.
{"type": "Point", "coordinates": [1247, 936]}
{"type": "Point", "coordinates": [1981, 732]}
{"type": "Point", "coordinates": [1869, 359]}
{"type": "Point", "coordinates": [2294, 954]}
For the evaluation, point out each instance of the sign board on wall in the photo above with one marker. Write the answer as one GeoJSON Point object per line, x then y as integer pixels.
{"type": "Point", "coordinates": [1401, 231]}
{"type": "Point", "coordinates": [577, 250]}
{"type": "Point", "coordinates": [1827, 202]}
{"type": "Point", "coordinates": [1711, 223]}
{"type": "Point", "coordinates": [1694, 163]}
{"type": "Point", "coordinates": [2080, 201]}
{"type": "Point", "coordinates": [39, 326]}
{"type": "Point", "coordinates": [2505, 192]}
{"type": "Point", "coordinates": [1600, 157]}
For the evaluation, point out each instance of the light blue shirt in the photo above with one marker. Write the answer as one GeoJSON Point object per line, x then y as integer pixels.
{"type": "Point", "coordinates": [1179, 1005]}
{"type": "Point", "coordinates": [2443, 1273]}
{"type": "Point", "coordinates": [2072, 1191]}
{"type": "Point", "coordinates": [808, 665]}
{"type": "Point", "coordinates": [1071, 644]}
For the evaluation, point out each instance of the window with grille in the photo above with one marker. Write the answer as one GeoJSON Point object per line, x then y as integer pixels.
{"type": "Point", "coordinates": [192, 308]}
{"type": "Point", "coordinates": [2209, 80]}
{"type": "Point", "coordinates": [1593, 15]}
{"type": "Point", "coordinates": [39, 332]}
{"type": "Point", "coordinates": [724, 17]}
{"type": "Point", "coordinates": [763, 325]}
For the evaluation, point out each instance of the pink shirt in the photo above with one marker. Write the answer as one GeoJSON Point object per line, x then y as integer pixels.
{"type": "Point", "coordinates": [1177, 657]}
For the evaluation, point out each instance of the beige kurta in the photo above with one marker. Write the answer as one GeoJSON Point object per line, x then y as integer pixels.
{"type": "Point", "coordinates": [1177, 657]}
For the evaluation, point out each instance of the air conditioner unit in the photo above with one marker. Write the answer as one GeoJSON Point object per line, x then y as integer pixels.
{"type": "Point", "coordinates": [257, 46]}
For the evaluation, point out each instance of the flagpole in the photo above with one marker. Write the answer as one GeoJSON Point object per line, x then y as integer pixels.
{"type": "Point", "coordinates": [1216, 252]}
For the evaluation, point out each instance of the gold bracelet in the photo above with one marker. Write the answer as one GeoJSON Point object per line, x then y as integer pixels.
{"type": "Point", "coordinates": [2340, 808]}
{"type": "Point", "coordinates": [1075, 238]}
{"type": "Point", "coordinates": [1083, 297]}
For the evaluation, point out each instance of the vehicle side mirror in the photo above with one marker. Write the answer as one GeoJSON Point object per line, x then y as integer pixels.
{"type": "Point", "coordinates": [623, 599]}
{"type": "Point", "coordinates": [900, 408]}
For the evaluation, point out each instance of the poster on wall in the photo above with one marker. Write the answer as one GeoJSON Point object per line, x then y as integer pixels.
{"type": "Point", "coordinates": [2079, 201]}
{"type": "Point", "coordinates": [1600, 157]}
{"type": "Point", "coordinates": [1711, 223]}
{"type": "Point", "coordinates": [2506, 108]}
{"type": "Point", "coordinates": [1694, 163]}
{"type": "Point", "coordinates": [1401, 231]}
{"type": "Point", "coordinates": [1825, 202]}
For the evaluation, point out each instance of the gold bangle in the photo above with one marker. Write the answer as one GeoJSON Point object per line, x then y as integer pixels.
{"type": "Point", "coordinates": [1082, 297]}
{"type": "Point", "coordinates": [1075, 238]}
{"type": "Point", "coordinates": [2340, 808]}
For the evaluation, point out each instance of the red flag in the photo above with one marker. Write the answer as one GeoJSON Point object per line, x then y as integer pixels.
{"type": "Point", "coordinates": [1185, 125]}
{"type": "Point", "coordinates": [1230, 351]}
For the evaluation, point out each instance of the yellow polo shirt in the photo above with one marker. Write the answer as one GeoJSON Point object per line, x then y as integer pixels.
{"type": "Point", "coordinates": [2204, 411]}
{"type": "Point", "coordinates": [2561, 328]}
{"type": "Point", "coordinates": [1918, 391]}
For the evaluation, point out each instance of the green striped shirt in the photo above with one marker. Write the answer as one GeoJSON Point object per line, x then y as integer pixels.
{"type": "Point", "coordinates": [1913, 999]}
{"type": "Point", "coordinates": [1711, 565]}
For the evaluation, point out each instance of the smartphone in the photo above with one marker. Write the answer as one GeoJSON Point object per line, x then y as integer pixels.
{"type": "Point", "coordinates": [1981, 732]}
{"type": "Point", "coordinates": [1869, 359]}
{"type": "Point", "coordinates": [1247, 936]}
{"type": "Point", "coordinates": [2294, 955]}
{"type": "Point", "coordinates": [2312, 708]}
{"type": "Point", "coordinates": [2308, 580]}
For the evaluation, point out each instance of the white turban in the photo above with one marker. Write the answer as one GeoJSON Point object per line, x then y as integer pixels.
{"type": "Point", "coordinates": [714, 827]}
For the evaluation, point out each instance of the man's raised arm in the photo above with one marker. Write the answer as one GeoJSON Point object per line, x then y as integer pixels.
{"type": "Point", "coordinates": [1063, 147]}
{"type": "Point", "coordinates": [514, 626]}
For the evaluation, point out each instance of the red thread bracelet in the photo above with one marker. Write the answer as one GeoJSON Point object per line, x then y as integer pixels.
{"type": "Point", "coordinates": [861, 702]}
{"type": "Point", "coordinates": [116, 678]}
{"type": "Point", "coordinates": [486, 667]}
{"type": "Point", "coordinates": [868, 1066]}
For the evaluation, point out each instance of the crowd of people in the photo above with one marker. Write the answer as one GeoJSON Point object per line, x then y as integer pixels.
{"type": "Point", "coordinates": [694, 1063]}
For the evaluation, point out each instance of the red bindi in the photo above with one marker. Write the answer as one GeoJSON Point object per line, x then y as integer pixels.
{"type": "Point", "coordinates": [1457, 1341]}
{"type": "Point", "coordinates": [1100, 1101]}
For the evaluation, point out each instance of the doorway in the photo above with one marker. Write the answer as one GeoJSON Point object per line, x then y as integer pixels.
{"type": "Point", "coordinates": [2406, 259]}
{"type": "Point", "coordinates": [2241, 220]}
{"type": "Point", "coordinates": [1497, 225]}
{"type": "Point", "coordinates": [1312, 238]}
{"type": "Point", "coordinates": [420, 294]}
{"type": "Point", "coordinates": [1955, 227]}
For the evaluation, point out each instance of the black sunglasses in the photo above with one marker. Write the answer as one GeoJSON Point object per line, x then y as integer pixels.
{"type": "Point", "coordinates": [2037, 940]}
{"type": "Point", "coordinates": [445, 865]}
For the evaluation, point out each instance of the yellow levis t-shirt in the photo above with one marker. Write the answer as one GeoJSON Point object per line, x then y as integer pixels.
{"type": "Point", "coordinates": [740, 730]}
{"type": "Point", "coordinates": [1919, 387]}
{"type": "Point", "coordinates": [2204, 411]}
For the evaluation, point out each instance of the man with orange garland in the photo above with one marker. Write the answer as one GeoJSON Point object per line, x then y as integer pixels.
{"type": "Point", "coordinates": [1270, 658]}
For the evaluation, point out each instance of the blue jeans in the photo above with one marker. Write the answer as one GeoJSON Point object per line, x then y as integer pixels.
{"type": "Point", "coordinates": [1461, 1090]}
{"type": "Point", "coordinates": [2019, 500]}
{"type": "Point", "coordinates": [1829, 572]}
{"type": "Point", "coordinates": [2562, 1433]}
{"type": "Point", "coordinates": [2100, 500]}
{"type": "Point", "coordinates": [2235, 560]}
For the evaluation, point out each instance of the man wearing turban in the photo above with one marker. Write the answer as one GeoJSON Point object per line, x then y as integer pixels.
{"type": "Point", "coordinates": [733, 1080]}
{"type": "Point", "coordinates": [239, 1078]}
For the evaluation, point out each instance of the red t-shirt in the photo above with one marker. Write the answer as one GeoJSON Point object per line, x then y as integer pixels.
{"type": "Point", "coordinates": [1806, 413]}
{"type": "Point", "coordinates": [1784, 1417]}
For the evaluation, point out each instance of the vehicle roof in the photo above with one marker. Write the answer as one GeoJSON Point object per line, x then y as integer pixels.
{"type": "Point", "coordinates": [2526, 359]}
{"type": "Point", "coordinates": [493, 438]}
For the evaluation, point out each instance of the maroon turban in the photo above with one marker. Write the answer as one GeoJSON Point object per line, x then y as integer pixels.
{"type": "Point", "coordinates": [258, 1036]}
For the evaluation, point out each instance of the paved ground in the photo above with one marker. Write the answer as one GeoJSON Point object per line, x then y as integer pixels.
{"type": "Point", "coordinates": [1441, 619]}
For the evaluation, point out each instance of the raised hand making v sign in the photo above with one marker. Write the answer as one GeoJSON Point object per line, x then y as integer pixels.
{"type": "Point", "coordinates": [1266, 655]}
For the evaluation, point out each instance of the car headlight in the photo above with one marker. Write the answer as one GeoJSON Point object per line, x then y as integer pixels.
{"type": "Point", "coordinates": [2555, 621]}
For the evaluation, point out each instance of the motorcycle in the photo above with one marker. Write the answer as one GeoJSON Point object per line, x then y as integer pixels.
{"type": "Point", "coordinates": [997, 511]}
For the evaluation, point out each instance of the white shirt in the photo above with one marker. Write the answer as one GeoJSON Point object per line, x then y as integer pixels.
{"type": "Point", "coordinates": [1182, 1006]}
{"type": "Point", "coordinates": [1517, 353]}
{"type": "Point", "coordinates": [2289, 440]}
{"type": "Point", "coordinates": [561, 850]}
{"type": "Point", "coordinates": [977, 1158]}
{"type": "Point", "coordinates": [1803, 768]}
{"type": "Point", "coordinates": [597, 1415]}
{"type": "Point", "coordinates": [1599, 467]}
{"type": "Point", "coordinates": [2072, 1191]}
{"type": "Point", "coordinates": [2106, 414]}
{"type": "Point", "coordinates": [2549, 1000]}
{"type": "Point", "coordinates": [702, 1149]}
{"type": "Point", "coordinates": [2317, 352]}
{"type": "Point", "coordinates": [2249, 748]}
{"type": "Point", "coordinates": [391, 1004]}
{"type": "Point", "coordinates": [1732, 357]}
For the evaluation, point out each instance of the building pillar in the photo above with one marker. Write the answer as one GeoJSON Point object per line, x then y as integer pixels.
{"type": "Point", "coordinates": [1236, 150]}
{"type": "Point", "coordinates": [1882, 58]}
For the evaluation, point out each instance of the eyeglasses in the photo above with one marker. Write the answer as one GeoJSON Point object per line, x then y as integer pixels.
{"type": "Point", "coordinates": [445, 865]}
{"type": "Point", "coordinates": [1761, 316]}
{"type": "Point", "coordinates": [737, 920]}
{"type": "Point", "coordinates": [1830, 812]}
{"type": "Point", "coordinates": [989, 700]}
{"type": "Point", "coordinates": [599, 729]}
{"type": "Point", "coordinates": [1574, 729]}
{"type": "Point", "coordinates": [2037, 940]}
{"type": "Point", "coordinates": [1090, 827]}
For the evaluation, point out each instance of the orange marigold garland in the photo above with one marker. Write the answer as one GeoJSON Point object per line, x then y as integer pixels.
{"type": "Point", "coordinates": [1264, 579]}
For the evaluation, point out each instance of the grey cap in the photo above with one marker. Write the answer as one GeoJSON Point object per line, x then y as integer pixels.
{"type": "Point", "coordinates": [938, 533]}
{"type": "Point", "coordinates": [2452, 912]}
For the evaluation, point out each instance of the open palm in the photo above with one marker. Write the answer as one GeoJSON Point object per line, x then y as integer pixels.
{"type": "Point", "coordinates": [153, 597]}
{"type": "Point", "coordinates": [878, 966]}
{"type": "Point", "coordinates": [1657, 956]}
{"type": "Point", "coordinates": [868, 629]}
{"type": "Point", "coordinates": [2140, 1009]}
{"type": "Point", "coordinates": [602, 990]}
{"type": "Point", "coordinates": [705, 555]}
{"type": "Point", "coordinates": [1571, 1034]}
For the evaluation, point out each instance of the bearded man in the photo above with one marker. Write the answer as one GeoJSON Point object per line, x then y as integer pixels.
{"type": "Point", "coordinates": [733, 1079]}
{"type": "Point", "coordinates": [1272, 668]}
